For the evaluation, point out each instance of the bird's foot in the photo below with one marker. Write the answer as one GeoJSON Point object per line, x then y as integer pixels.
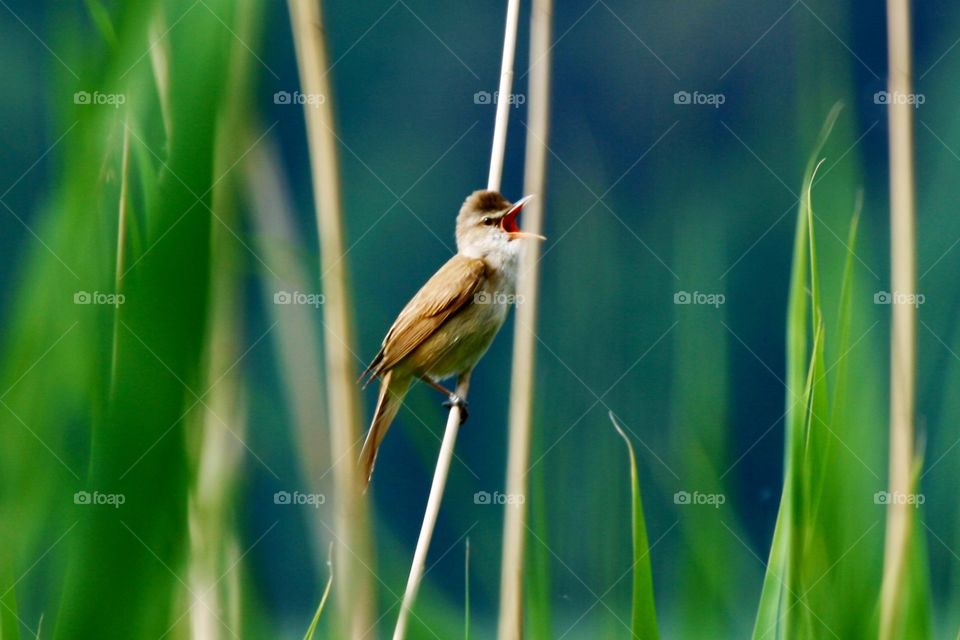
{"type": "Point", "coordinates": [456, 401]}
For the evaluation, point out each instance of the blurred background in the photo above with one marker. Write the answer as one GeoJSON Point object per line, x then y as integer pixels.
{"type": "Point", "coordinates": [166, 455]}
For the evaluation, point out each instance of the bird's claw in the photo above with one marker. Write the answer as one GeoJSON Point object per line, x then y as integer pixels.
{"type": "Point", "coordinates": [456, 401]}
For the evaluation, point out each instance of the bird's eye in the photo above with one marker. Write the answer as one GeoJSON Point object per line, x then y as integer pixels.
{"type": "Point", "coordinates": [487, 220]}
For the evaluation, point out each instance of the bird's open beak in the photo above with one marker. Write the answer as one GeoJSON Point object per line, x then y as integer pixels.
{"type": "Point", "coordinates": [509, 221]}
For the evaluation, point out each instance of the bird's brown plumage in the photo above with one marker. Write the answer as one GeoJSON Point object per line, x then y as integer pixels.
{"type": "Point", "coordinates": [451, 321]}
{"type": "Point", "coordinates": [446, 292]}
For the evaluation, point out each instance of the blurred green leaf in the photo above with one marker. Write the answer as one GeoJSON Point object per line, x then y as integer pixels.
{"type": "Point", "coordinates": [9, 623]}
{"type": "Point", "coordinates": [644, 614]}
{"type": "Point", "coordinates": [101, 18]}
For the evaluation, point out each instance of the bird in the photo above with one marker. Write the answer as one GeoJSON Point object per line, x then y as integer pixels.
{"type": "Point", "coordinates": [450, 322]}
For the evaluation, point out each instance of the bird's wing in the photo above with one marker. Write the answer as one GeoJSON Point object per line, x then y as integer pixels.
{"type": "Point", "coordinates": [447, 291]}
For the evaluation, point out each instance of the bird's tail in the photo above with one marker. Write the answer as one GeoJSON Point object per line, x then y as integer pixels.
{"type": "Point", "coordinates": [393, 388]}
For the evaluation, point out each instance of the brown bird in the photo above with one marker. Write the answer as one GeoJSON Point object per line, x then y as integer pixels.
{"type": "Point", "coordinates": [448, 325]}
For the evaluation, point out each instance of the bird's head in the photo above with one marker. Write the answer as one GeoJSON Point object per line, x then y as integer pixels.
{"type": "Point", "coordinates": [487, 224]}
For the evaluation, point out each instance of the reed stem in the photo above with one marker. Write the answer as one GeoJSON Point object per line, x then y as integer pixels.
{"type": "Point", "coordinates": [503, 95]}
{"type": "Point", "coordinates": [524, 338]}
{"type": "Point", "coordinates": [440, 473]}
{"type": "Point", "coordinates": [354, 593]}
{"type": "Point", "coordinates": [903, 359]}
{"type": "Point", "coordinates": [445, 456]}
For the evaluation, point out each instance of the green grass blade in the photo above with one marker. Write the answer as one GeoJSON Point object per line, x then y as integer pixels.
{"type": "Point", "coordinates": [797, 619]}
{"type": "Point", "coordinates": [771, 596]}
{"type": "Point", "coordinates": [779, 575]}
{"type": "Point", "coordinates": [134, 556]}
{"type": "Point", "coordinates": [644, 616]}
{"type": "Point", "coordinates": [846, 317]}
{"type": "Point", "coordinates": [822, 463]}
{"type": "Point", "coordinates": [916, 618]}
{"type": "Point", "coordinates": [323, 602]}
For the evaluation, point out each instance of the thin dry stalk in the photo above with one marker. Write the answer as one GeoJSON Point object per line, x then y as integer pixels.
{"type": "Point", "coordinates": [354, 592]}
{"type": "Point", "coordinates": [503, 95]}
{"type": "Point", "coordinates": [524, 338]}
{"type": "Point", "coordinates": [444, 459]}
{"type": "Point", "coordinates": [445, 456]}
{"type": "Point", "coordinates": [295, 336]}
{"type": "Point", "coordinates": [903, 359]}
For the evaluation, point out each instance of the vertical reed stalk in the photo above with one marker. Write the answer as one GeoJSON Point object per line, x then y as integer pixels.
{"type": "Point", "coordinates": [430, 515]}
{"type": "Point", "coordinates": [503, 94]}
{"type": "Point", "coordinates": [445, 457]}
{"type": "Point", "coordinates": [295, 335]}
{"type": "Point", "coordinates": [524, 339]}
{"type": "Point", "coordinates": [903, 359]}
{"type": "Point", "coordinates": [354, 593]}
